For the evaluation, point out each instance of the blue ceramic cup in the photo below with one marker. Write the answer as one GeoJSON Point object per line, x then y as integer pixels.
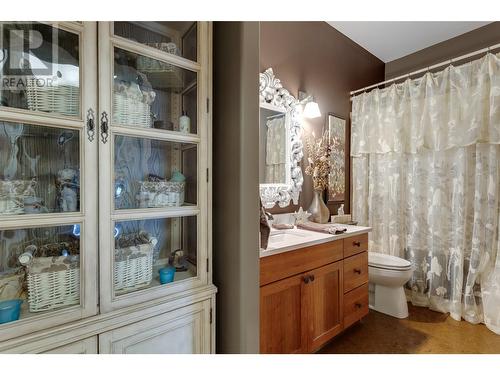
{"type": "Point", "coordinates": [167, 274]}
{"type": "Point", "coordinates": [10, 310]}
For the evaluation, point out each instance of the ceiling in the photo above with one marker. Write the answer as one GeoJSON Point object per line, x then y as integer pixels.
{"type": "Point", "coordinates": [392, 40]}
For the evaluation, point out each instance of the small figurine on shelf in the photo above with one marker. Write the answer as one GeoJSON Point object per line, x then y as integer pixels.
{"type": "Point", "coordinates": [68, 184]}
{"type": "Point", "coordinates": [177, 260]}
{"type": "Point", "coordinates": [184, 123]}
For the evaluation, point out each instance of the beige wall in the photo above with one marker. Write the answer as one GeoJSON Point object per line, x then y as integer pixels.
{"type": "Point", "coordinates": [469, 42]}
{"type": "Point", "coordinates": [236, 194]}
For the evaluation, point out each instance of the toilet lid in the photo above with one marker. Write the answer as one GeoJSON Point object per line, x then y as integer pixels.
{"type": "Point", "coordinates": [387, 261]}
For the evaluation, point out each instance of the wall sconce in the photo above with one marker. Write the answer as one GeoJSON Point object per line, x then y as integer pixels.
{"type": "Point", "coordinates": [310, 107]}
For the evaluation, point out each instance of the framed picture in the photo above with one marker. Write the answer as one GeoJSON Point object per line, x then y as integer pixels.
{"type": "Point", "coordinates": [337, 138]}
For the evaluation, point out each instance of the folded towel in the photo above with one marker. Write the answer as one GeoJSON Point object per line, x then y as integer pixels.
{"type": "Point", "coordinates": [324, 228]}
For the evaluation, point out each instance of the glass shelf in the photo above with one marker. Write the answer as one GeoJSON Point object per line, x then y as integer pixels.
{"type": "Point", "coordinates": [152, 173]}
{"type": "Point", "coordinates": [39, 169]}
{"type": "Point", "coordinates": [177, 38]}
{"type": "Point", "coordinates": [144, 247]}
{"type": "Point", "coordinates": [148, 93]}
{"type": "Point", "coordinates": [41, 267]}
{"type": "Point", "coordinates": [39, 68]}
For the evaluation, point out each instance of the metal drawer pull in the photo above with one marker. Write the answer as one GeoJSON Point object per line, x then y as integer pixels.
{"type": "Point", "coordinates": [306, 279]}
{"type": "Point", "coordinates": [357, 270]}
{"type": "Point", "coordinates": [357, 243]}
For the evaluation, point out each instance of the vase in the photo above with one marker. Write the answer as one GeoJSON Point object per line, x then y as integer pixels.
{"type": "Point", "coordinates": [318, 209]}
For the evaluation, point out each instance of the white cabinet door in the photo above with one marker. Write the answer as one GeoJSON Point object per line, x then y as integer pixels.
{"type": "Point", "coordinates": [86, 346]}
{"type": "Point", "coordinates": [153, 151]}
{"type": "Point", "coordinates": [48, 174]}
{"type": "Point", "coordinates": [182, 331]}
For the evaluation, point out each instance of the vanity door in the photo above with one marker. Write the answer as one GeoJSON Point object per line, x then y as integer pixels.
{"type": "Point", "coordinates": [153, 190]}
{"type": "Point", "coordinates": [48, 175]}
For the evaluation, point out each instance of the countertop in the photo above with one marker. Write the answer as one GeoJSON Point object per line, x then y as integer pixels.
{"type": "Point", "coordinates": [302, 238]}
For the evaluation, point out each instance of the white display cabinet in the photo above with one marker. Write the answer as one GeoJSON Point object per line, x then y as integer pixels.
{"type": "Point", "coordinates": [105, 205]}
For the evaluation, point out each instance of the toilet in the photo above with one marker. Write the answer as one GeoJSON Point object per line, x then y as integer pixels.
{"type": "Point", "coordinates": [387, 275]}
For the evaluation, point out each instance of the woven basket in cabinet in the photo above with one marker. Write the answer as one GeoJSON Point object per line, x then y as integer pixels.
{"type": "Point", "coordinates": [60, 98]}
{"type": "Point", "coordinates": [133, 266]}
{"type": "Point", "coordinates": [129, 111]}
{"type": "Point", "coordinates": [53, 282]}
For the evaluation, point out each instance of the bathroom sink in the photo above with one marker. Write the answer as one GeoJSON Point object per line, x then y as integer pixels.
{"type": "Point", "coordinates": [279, 239]}
{"type": "Point", "coordinates": [285, 236]}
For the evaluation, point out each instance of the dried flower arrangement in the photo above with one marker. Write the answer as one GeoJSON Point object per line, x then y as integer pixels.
{"type": "Point", "coordinates": [318, 156]}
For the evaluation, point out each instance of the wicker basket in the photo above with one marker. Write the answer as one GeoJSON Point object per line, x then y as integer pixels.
{"type": "Point", "coordinates": [133, 266]}
{"type": "Point", "coordinates": [161, 193]}
{"type": "Point", "coordinates": [128, 111]}
{"type": "Point", "coordinates": [53, 282]}
{"type": "Point", "coordinates": [62, 99]}
{"type": "Point", "coordinates": [13, 193]}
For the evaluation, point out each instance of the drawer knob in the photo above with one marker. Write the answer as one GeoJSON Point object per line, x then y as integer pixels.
{"type": "Point", "coordinates": [357, 243]}
{"type": "Point", "coordinates": [358, 305]}
{"type": "Point", "coordinates": [357, 270]}
{"type": "Point", "coordinates": [311, 277]}
{"type": "Point", "coordinates": [306, 279]}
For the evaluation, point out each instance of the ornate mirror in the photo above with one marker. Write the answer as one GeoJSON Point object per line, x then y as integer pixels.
{"type": "Point", "coordinates": [280, 144]}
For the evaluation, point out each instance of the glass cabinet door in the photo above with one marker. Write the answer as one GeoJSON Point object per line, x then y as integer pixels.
{"type": "Point", "coordinates": [48, 175]}
{"type": "Point", "coordinates": [153, 184]}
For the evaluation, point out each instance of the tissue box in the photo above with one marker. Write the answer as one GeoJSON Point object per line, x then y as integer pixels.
{"type": "Point", "coordinates": [341, 219]}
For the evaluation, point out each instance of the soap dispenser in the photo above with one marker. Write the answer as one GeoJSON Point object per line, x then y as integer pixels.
{"type": "Point", "coordinates": [184, 123]}
{"type": "Point", "coordinates": [341, 210]}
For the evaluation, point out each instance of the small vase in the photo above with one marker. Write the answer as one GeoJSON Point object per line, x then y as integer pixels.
{"type": "Point", "coordinates": [318, 209]}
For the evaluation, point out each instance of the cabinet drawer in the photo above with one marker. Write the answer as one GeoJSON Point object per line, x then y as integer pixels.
{"type": "Point", "coordinates": [356, 244]}
{"type": "Point", "coordinates": [355, 271]}
{"type": "Point", "coordinates": [355, 305]}
{"type": "Point", "coordinates": [280, 266]}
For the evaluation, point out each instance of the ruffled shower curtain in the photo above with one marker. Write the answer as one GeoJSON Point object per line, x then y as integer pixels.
{"type": "Point", "coordinates": [426, 177]}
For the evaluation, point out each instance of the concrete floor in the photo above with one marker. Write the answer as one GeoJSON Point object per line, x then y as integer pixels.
{"type": "Point", "coordinates": [423, 332]}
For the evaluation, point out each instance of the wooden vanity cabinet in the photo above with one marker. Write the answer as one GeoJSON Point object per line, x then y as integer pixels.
{"type": "Point", "coordinates": [310, 295]}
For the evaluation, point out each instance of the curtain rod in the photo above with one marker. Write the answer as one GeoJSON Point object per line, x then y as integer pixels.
{"type": "Point", "coordinates": [450, 61]}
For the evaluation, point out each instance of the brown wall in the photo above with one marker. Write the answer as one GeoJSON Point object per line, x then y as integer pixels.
{"type": "Point", "coordinates": [235, 187]}
{"type": "Point", "coordinates": [316, 58]}
{"type": "Point", "coordinates": [469, 42]}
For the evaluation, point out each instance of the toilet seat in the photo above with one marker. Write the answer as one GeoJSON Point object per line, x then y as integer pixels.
{"type": "Point", "coordinates": [388, 262]}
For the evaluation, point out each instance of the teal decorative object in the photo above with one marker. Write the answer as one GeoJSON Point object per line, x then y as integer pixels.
{"type": "Point", "coordinates": [178, 177]}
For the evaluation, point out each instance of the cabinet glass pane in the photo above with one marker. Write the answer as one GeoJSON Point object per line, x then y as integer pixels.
{"type": "Point", "coordinates": [154, 252]}
{"type": "Point", "coordinates": [39, 169]}
{"type": "Point", "coordinates": [148, 93]}
{"type": "Point", "coordinates": [178, 38]}
{"type": "Point", "coordinates": [39, 68]}
{"type": "Point", "coordinates": [154, 173]}
{"type": "Point", "coordinates": [39, 270]}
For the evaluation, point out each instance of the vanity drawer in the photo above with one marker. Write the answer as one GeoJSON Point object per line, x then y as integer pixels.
{"type": "Point", "coordinates": [355, 271]}
{"type": "Point", "coordinates": [280, 266]}
{"type": "Point", "coordinates": [355, 305]}
{"type": "Point", "coordinates": [355, 244]}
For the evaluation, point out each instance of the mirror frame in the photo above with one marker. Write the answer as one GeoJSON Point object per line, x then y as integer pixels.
{"type": "Point", "coordinates": [271, 92]}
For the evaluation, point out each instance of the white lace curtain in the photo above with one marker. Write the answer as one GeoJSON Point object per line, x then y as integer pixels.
{"type": "Point", "coordinates": [426, 177]}
{"type": "Point", "coordinates": [276, 150]}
